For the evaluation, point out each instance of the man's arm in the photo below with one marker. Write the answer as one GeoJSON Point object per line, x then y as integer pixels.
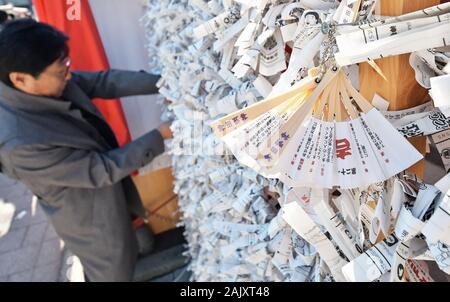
{"type": "Point", "coordinates": [113, 83]}
{"type": "Point", "coordinates": [68, 167]}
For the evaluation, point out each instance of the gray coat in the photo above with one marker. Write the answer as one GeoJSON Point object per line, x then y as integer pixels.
{"type": "Point", "coordinates": [81, 180]}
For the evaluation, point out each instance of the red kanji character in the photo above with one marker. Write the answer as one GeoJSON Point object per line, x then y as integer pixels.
{"type": "Point", "coordinates": [343, 148]}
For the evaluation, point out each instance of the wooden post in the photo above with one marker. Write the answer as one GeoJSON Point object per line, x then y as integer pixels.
{"type": "Point", "coordinates": [401, 88]}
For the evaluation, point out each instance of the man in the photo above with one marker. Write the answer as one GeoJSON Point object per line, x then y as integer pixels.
{"type": "Point", "coordinates": [54, 140]}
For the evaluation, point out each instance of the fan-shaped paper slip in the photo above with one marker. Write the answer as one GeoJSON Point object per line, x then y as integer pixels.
{"type": "Point", "coordinates": [317, 135]}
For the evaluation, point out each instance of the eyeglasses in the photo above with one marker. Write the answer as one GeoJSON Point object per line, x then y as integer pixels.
{"type": "Point", "coordinates": [67, 62]}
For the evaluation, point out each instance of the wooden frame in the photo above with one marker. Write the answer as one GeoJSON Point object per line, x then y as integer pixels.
{"type": "Point", "coordinates": [401, 88]}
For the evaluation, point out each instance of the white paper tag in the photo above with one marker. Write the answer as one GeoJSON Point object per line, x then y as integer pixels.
{"type": "Point", "coordinates": [296, 217]}
{"type": "Point", "coordinates": [371, 265]}
{"type": "Point", "coordinates": [380, 103]}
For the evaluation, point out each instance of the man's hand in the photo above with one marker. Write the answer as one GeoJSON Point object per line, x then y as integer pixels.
{"type": "Point", "coordinates": [165, 131]}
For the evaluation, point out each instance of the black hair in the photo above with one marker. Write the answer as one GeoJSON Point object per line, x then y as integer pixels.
{"type": "Point", "coordinates": [30, 47]}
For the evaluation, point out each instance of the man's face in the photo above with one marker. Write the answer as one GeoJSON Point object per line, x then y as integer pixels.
{"type": "Point", "coordinates": [50, 83]}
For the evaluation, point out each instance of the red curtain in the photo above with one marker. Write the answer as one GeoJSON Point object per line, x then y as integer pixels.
{"type": "Point", "coordinates": [86, 51]}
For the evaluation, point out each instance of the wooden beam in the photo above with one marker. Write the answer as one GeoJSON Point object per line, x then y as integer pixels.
{"type": "Point", "coordinates": [401, 88]}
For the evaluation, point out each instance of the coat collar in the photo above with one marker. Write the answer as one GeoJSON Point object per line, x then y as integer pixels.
{"type": "Point", "coordinates": [24, 101]}
{"type": "Point", "coordinates": [72, 94]}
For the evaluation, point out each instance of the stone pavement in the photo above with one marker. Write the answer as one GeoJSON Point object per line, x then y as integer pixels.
{"type": "Point", "coordinates": [30, 250]}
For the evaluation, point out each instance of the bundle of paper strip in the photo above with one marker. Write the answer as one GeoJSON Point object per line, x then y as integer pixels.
{"type": "Point", "coordinates": [313, 132]}
{"type": "Point", "coordinates": [232, 225]}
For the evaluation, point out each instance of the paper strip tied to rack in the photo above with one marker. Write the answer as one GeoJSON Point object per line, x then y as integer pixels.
{"type": "Point", "coordinates": [313, 130]}
{"type": "Point", "coordinates": [425, 29]}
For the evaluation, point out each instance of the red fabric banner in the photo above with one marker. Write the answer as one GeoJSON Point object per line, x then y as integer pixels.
{"type": "Point", "coordinates": [75, 18]}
